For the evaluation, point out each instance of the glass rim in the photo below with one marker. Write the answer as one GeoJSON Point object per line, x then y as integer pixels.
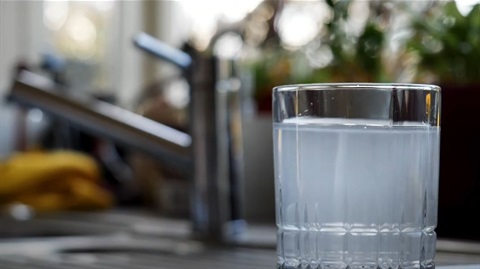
{"type": "Point", "coordinates": [357, 86]}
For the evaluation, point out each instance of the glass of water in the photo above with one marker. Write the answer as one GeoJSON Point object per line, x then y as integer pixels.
{"type": "Point", "coordinates": [356, 175]}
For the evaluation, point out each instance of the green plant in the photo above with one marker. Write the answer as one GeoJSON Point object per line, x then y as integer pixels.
{"type": "Point", "coordinates": [443, 47]}
{"type": "Point", "coordinates": [354, 58]}
{"type": "Point", "coordinates": [447, 45]}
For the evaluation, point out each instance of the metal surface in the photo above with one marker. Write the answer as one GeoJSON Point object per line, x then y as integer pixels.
{"type": "Point", "coordinates": [163, 51]}
{"type": "Point", "coordinates": [218, 258]}
{"type": "Point", "coordinates": [140, 240]}
{"type": "Point", "coordinates": [217, 161]}
{"type": "Point", "coordinates": [137, 240]}
{"type": "Point", "coordinates": [124, 251]}
{"type": "Point", "coordinates": [165, 143]}
{"type": "Point", "coordinates": [239, 258]}
{"type": "Point", "coordinates": [216, 190]}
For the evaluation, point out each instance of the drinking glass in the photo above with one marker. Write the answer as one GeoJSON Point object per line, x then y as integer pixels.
{"type": "Point", "coordinates": [356, 175]}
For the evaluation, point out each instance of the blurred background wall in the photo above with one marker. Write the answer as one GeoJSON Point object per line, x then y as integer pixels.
{"type": "Point", "coordinates": [98, 33]}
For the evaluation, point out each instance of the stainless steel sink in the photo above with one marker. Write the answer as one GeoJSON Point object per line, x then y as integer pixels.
{"type": "Point", "coordinates": [69, 224]}
{"type": "Point", "coordinates": [116, 240]}
{"type": "Point", "coordinates": [50, 227]}
{"type": "Point", "coordinates": [142, 240]}
{"type": "Point", "coordinates": [123, 251]}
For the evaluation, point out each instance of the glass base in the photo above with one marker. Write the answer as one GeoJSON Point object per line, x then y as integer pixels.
{"type": "Point", "coordinates": [285, 265]}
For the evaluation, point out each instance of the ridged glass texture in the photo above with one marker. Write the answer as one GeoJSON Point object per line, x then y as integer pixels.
{"type": "Point", "coordinates": [356, 191]}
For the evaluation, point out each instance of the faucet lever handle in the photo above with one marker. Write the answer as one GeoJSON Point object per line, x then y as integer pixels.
{"type": "Point", "coordinates": [162, 50]}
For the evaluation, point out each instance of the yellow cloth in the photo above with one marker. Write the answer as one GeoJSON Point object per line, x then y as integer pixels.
{"type": "Point", "coordinates": [52, 181]}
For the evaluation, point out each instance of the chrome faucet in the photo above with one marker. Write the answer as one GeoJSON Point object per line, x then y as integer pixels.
{"type": "Point", "coordinates": [209, 154]}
